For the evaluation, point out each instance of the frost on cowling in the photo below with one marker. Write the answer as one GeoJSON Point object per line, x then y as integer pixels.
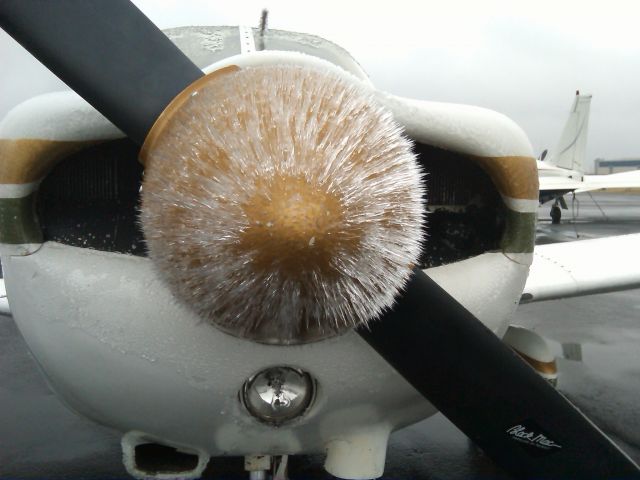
{"type": "Point", "coordinates": [282, 203]}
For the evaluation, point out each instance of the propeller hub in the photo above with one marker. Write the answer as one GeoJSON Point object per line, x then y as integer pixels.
{"type": "Point", "coordinates": [281, 203]}
{"type": "Point", "coordinates": [292, 223]}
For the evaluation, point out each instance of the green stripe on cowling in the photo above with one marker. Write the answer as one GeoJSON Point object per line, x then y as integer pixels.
{"type": "Point", "coordinates": [18, 221]}
{"type": "Point", "coordinates": [519, 233]}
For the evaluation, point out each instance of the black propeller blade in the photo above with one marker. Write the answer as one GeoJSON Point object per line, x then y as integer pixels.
{"type": "Point", "coordinates": [113, 56]}
{"type": "Point", "coordinates": [106, 50]}
{"type": "Point", "coordinates": [487, 391]}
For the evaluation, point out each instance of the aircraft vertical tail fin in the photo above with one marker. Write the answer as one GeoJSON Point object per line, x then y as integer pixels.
{"type": "Point", "coordinates": [571, 149]}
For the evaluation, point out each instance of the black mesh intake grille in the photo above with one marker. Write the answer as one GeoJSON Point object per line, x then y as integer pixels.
{"type": "Point", "coordinates": [91, 199]}
{"type": "Point", "coordinates": [466, 214]}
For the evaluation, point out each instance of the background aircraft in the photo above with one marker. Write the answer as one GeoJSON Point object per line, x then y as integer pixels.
{"type": "Point", "coordinates": [562, 171]}
{"type": "Point", "coordinates": [151, 369]}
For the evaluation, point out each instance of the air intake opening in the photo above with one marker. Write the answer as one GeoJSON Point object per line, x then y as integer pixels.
{"type": "Point", "coordinates": [90, 199]}
{"type": "Point", "coordinates": [155, 459]}
{"type": "Point", "coordinates": [466, 215]}
{"type": "Point", "coordinates": [144, 457]}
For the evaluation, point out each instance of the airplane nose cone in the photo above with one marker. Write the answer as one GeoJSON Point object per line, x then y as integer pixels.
{"type": "Point", "coordinates": [282, 203]}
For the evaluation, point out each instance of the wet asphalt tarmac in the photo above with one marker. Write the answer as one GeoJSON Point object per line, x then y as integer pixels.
{"type": "Point", "coordinates": [596, 340]}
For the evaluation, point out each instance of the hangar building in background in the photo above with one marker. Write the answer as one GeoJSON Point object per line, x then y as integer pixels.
{"type": "Point", "coordinates": [604, 166]}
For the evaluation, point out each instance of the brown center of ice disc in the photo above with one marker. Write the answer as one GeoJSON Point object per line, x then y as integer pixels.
{"type": "Point", "coordinates": [293, 224]}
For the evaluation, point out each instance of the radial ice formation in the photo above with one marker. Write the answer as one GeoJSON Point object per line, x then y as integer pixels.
{"type": "Point", "coordinates": [283, 204]}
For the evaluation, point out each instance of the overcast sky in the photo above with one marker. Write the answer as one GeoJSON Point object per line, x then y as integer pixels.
{"type": "Point", "coordinates": [524, 59]}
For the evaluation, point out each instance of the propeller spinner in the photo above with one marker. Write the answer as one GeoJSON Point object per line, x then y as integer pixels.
{"type": "Point", "coordinates": [281, 202]}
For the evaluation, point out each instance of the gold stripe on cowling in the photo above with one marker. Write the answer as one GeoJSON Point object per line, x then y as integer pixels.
{"type": "Point", "coordinates": [175, 104]}
{"type": "Point", "coordinates": [27, 160]}
{"type": "Point", "coordinates": [548, 368]}
{"type": "Point", "coordinates": [24, 161]}
{"type": "Point", "coordinates": [513, 176]}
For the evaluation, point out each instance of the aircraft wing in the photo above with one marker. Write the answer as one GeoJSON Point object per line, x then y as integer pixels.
{"type": "Point", "coordinates": [624, 182]}
{"type": "Point", "coordinates": [548, 183]}
{"type": "Point", "coordinates": [554, 179]}
{"type": "Point", "coordinates": [585, 267]}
